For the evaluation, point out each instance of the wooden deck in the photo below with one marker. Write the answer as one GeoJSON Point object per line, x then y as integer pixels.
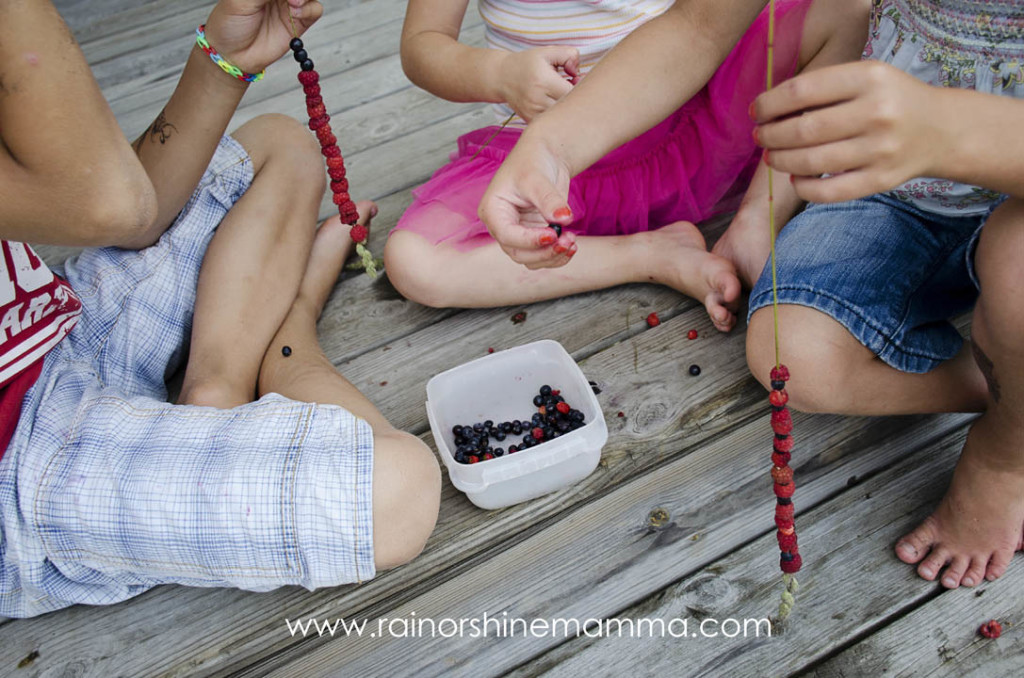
{"type": "Point", "coordinates": [675, 522]}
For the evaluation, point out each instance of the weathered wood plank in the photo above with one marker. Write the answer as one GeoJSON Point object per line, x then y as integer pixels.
{"type": "Point", "coordinates": [940, 638]}
{"type": "Point", "coordinates": [608, 554]}
{"type": "Point", "coordinates": [851, 582]}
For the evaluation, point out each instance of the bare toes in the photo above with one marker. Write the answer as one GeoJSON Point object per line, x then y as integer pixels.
{"type": "Point", "coordinates": [997, 566]}
{"type": "Point", "coordinates": [930, 566]}
{"type": "Point", "coordinates": [915, 545]}
{"type": "Point", "coordinates": [976, 572]}
{"type": "Point", "coordinates": [955, 572]}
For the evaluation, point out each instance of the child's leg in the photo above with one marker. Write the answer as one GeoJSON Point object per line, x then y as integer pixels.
{"type": "Point", "coordinates": [675, 255]}
{"type": "Point", "coordinates": [254, 263]}
{"type": "Point", "coordinates": [978, 524]}
{"type": "Point", "coordinates": [406, 478]}
{"type": "Point", "coordinates": [835, 31]}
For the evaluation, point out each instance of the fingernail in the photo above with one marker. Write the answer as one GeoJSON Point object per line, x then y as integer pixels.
{"type": "Point", "coordinates": [755, 133]}
{"type": "Point", "coordinates": [563, 212]}
{"type": "Point", "coordinates": [559, 249]}
{"type": "Point", "coordinates": [792, 179]}
{"type": "Point", "coordinates": [767, 161]}
{"type": "Point", "coordinates": [750, 111]}
{"type": "Point", "coordinates": [547, 238]}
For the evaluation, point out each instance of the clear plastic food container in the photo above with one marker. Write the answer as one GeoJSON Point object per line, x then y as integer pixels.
{"type": "Point", "coordinates": [501, 387]}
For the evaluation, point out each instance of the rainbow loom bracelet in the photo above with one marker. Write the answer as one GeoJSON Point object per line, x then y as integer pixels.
{"type": "Point", "coordinates": [225, 65]}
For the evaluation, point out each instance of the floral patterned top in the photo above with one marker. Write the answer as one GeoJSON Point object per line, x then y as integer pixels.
{"type": "Point", "coordinates": [952, 43]}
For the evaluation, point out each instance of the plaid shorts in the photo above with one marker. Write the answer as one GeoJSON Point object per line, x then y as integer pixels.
{"type": "Point", "coordinates": [107, 490]}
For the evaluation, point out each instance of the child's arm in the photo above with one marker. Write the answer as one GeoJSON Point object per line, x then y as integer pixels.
{"type": "Point", "coordinates": [873, 127]}
{"type": "Point", "coordinates": [641, 81]}
{"type": "Point", "coordinates": [177, 147]}
{"type": "Point", "coordinates": [434, 59]}
{"type": "Point", "coordinates": [67, 174]}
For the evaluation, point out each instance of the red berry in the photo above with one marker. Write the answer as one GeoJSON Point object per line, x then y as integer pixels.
{"type": "Point", "coordinates": [784, 523]}
{"type": "Point", "coordinates": [787, 542]}
{"type": "Point", "coordinates": [781, 458]}
{"type": "Point", "coordinates": [784, 511]}
{"type": "Point", "coordinates": [319, 122]}
{"type": "Point", "coordinates": [336, 174]}
{"type": "Point", "coordinates": [340, 186]}
{"type": "Point", "coordinates": [314, 100]}
{"type": "Point", "coordinates": [487, 455]}
{"type": "Point", "coordinates": [311, 90]}
{"type": "Point", "coordinates": [780, 373]}
{"type": "Point", "coordinates": [341, 198]}
{"type": "Point", "coordinates": [782, 422]}
{"type": "Point", "coordinates": [358, 233]}
{"type": "Point", "coordinates": [778, 398]}
{"type": "Point", "coordinates": [555, 392]}
{"type": "Point", "coordinates": [537, 433]}
{"type": "Point", "coordinates": [326, 137]}
{"type": "Point", "coordinates": [472, 459]}
{"type": "Point", "coordinates": [490, 350]}
{"type": "Point", "coordinates": [784, 445]}
{"type": "Point", "coordinates": [308, 78]}
{"type": "Point", "coordinates": [622, 414]}
{"type": "Point", "coordinates": [316, 111]}
{"type": "Point", "coordinates": [691, 335]}
{"type": "Point", "coordinates": [784, 491]}
{"type": "Point", "coordinates": [563, 408]}
{"type": "Point", "coordinates": [331, 151]}
{"type": "Point", "coordinates": [782, 475]}
{"type": "Point", "coordinates": [336, 162]}
{"type": "Point", "coordinates": [991, 629]}
{"type": "Point", "coordinates": [653, 320]}
{"type": "Point", "coordinates": [791, 566]}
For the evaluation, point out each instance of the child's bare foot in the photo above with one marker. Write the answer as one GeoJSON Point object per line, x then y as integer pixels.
{"type": "Point", "coordinates": [684, 264]}
{"type": "Point", "coordinates": [978, 525]}
{"type": "Point", "coordinates": [331, 248]}
{"type": "Point", "coordinates": [747, 244]}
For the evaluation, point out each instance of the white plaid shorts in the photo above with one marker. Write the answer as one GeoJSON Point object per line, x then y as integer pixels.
{"type": "Point", "coordinates": [107, 490]}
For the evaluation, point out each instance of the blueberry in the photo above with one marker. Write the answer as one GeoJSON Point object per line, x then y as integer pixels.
{"type": "Point", "coordinates": [498, 451]}
{"type": "Point", "coordinates": [506, 427]}
{"type": "Point", "coordinates": [478, 427]}
{"type": "Point", "coordinates": [516, 428]}
{"type": "Point", "coordinates": [526, 439]}
{"type": "Point", "coordinates": [456, 431]}
{"type": "Point", "coordinates": [307, 65]}
{"type": "Point", "coordinates": [537, 419]}
{"type": "Point", "coordinates": [576, 415]}
{"type": "Point", "coordinates": [538, 401]}
{"type": "Point", "coordinates": [512, 449]}
{"type": "Point", "coordinates": [300, 55]}
{"type": "Point", "coordinates": [694, 370]}
{"type": "Point", "coordinates": [499, 436]}
{"type": "Point", "coordinates": [557, 228]}
{"type": "Point", "coordinates": [576, 424]}
{"type": "Point", "coordinates": [286, 351]}
{"type": "Point", "coordinates": [525, 424]}
{"type": "Point", "coordinates": [563, 426]}
{"type": "Point", "coordinates": [295, 44]}
{"type": "Point", "coordinates": [545, 390]}
{"type": "Point", "coordinates": [547, 432]}
{"type": "Point", "coordinates": [786, 556]}
{"type": "Point", "coordinates": [778, 384]}
{"type": "Point", "coordinates": [488, 424]}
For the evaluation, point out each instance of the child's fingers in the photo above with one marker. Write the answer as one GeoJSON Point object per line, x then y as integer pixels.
{"type": "Point", "coordinates": [503, 221]}
{"type": "Point", "coordinates": [832, 158]}
{"type": "Point", "coordinates": [838, 188]}
{"type": "Point", "coordinates": [812, 128]}
{"type": "Point", "coordinates": [812, 89]}
{"type": "Point", "coordinates": [306, 12]}
{"type": "Point", "coordinates": [563, 55]}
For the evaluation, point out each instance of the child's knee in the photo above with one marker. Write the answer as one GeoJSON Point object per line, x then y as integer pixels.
{"type": "Point", "coordinates": [818, 351]}
{"type": "Point", "coordinates": [406, 497]}
{"type": "Point", "coordinates": [1000, 247]}
{"type": "Point", "coordinates": [407, 258]}
{"type": "Point", "coordinates": [283, 140]}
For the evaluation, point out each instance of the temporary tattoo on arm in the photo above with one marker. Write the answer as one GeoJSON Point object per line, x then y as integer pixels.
{"type": "Point", "coordinates": [987, 369]}
{"type": "Point", "coordinates": [160, 131]}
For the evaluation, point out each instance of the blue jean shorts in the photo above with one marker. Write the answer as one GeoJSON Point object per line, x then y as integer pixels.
{"type": "Point", "coordinates": [890, 273]}
{"type": "Point", "coordinates": [107, 490]}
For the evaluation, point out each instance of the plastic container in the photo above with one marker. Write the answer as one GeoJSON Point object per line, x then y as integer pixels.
{"type": "Point", "coordinates": [501, 387]}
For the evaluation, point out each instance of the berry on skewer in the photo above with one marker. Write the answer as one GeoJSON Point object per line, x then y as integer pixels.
{"type": "Point", "coordinates": [320, 124]}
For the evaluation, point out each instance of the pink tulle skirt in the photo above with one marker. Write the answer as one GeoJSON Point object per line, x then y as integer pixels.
{"type": "Point", "coordinates": [691, 166]}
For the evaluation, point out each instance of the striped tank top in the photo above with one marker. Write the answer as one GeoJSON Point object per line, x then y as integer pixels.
{"type": "Point", "coordinates": [591, 26]}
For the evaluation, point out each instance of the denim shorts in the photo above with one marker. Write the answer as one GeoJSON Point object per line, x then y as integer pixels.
{"type": "Point", "coordinates": [107, 490]}
{"type": "Point", "coordinates": [890, 273]}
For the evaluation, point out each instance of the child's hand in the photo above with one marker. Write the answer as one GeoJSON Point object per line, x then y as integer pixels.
{"type": "Point", "coordinates": [530, 81]}
{"type": "Point", "coordinates": [252, 34]}
{"type": "Point", "coordinates": [526, 194]}
{"type": "Point", "coordinates": [867, 124]}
